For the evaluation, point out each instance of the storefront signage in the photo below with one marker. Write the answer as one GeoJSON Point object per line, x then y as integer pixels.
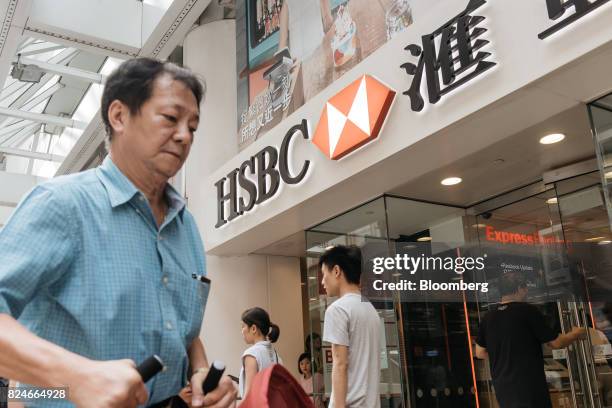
{"type": "Point", "coordinates": [506, 237]}
{"type": "Point", "coordinates": [270, 163]}
{"type": "Point", "coordinates": [457, 59]}
{"type": "Point", "coordinates": [353, 117]}
{"type": "Point", "coordinates": [461, 34]}
{"type": "Point", "coordinates": [557, 9]}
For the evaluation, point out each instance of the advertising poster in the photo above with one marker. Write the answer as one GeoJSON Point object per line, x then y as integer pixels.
{"type": "Point", "coordinates": [290, 50]}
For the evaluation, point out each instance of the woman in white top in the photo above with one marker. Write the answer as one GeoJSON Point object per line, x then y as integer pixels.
{"type": "Point", "coordinates": [303, 24]}
{"type": "Point", "coordinates": [259, 333]}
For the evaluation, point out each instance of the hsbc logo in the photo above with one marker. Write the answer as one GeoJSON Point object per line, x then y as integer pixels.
{"type": "Point", "coordinates": [351, 118]}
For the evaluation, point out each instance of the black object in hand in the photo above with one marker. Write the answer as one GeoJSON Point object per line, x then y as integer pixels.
{"type": "Point", "coordinates": [150, 367]}
{"type": "Point", "coordinates": [213, 377]}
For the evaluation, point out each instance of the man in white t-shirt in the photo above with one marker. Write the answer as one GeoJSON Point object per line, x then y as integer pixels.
{"type": "Point", "coordinates": [352, 326]}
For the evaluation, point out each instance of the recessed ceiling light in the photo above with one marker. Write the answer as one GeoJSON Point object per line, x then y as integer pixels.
{"type": "Point", "coordinates": [552, 200]}
{"type": "Point", "coordinates": [604, 242]}
{"type": "Point", "coordinates": [451, 181]}
{"type": "Point", "coordinates": [424, 239]}
{"type": "Point", "coordinates": [314, 299]}
{"type": "Point", "coordinates": [594, 239]}
{"type": "Point", "coordinates": [479, 226]}
{"type": "Point", "coordinates": [312, 277]}
{"type": "Point", "coordinates": [552, 138]}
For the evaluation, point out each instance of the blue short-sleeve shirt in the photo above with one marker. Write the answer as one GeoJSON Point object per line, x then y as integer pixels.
{"type": "Point", "coordinates": [84, 265]}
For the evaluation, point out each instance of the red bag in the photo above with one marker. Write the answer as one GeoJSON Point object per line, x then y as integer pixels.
{"type": "Point", "coordinates": [275, 387]}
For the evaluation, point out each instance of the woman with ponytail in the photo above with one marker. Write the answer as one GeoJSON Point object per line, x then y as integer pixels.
{"type": "Point", "coordinates": [258, 332]}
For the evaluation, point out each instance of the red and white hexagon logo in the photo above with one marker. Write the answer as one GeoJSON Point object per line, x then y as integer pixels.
{"type": "Point", "coordinates": [353, 117]}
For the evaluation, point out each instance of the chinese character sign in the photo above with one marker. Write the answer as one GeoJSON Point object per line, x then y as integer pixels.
{"type": "Point", "coordinates": [558, 8]}
{"type": "Point", "coordinates": [457, 59]}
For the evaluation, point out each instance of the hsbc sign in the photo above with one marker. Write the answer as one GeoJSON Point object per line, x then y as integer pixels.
{"type": "Point", "coordinates": [351, 119]}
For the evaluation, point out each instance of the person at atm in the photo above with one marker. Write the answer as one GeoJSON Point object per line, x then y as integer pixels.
{"type": "Point", "coordinates": [511, 337]}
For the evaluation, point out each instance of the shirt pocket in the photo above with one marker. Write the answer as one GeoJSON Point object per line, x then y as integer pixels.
{"type": "Point", "coordinates": [202, 299]}
{"type": "Point", "coordinates": [189, 301]}
{"type": "Point", "coordinates": [203, 292]}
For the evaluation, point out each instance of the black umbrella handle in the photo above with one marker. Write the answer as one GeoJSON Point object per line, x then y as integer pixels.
{"type": "Point", "coordinates": [150, 367]}
{"type": "Point", "coordinates": [213, 377]}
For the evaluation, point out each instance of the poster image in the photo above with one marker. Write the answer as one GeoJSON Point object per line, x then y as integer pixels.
{"type": "Point", "coordinates": [290, 50]}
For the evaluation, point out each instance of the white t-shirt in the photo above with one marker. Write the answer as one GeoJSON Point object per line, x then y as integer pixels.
{"type": "Point", "coordinates": [351, 322]}
{"type": "Point", "coordinates": [305, 27]}
{"type": "Point", "coordinates": [264, 354]}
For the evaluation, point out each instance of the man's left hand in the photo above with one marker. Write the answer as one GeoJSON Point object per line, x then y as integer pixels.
{"type": "Point", "coordinates": [224, 396]}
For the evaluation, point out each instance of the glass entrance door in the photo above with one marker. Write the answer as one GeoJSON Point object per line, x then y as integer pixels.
{"type": "Point", "coordinates": [565, 253]}
{"type": "Point", "coordinates": [537, 250]}
{"type": "Point", "coordinates": [557, 234]}
{"type": "Point", "coordinates": [426, 359]}
{"type": "Point", "coordinates": [584, 217]}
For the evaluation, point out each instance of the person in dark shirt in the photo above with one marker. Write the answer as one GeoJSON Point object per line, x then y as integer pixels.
{"type": "Point", "coordinates": [511, 337]}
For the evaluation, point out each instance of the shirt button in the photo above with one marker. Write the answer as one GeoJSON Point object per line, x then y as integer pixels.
{"type": "Point", "coordinates": [142, 198]}
{"type": "Point", "coordinates": [169, 326]}
{"type": "Point", "coordinates": [165, 280]}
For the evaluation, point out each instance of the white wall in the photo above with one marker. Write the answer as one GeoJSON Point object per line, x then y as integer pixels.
{"type": "Point", "coordinates": [237, 284]}
{"type": "Point", "coordinates": [241, 282]}
{"type": "Point", "coordinates": [210, 51]}
{"type": "Point", "coordinates": [286, 307]}
{"type": "Point", "coordinates": [13, 186]}
{"type": "Point", "coordinates": [5, 213]}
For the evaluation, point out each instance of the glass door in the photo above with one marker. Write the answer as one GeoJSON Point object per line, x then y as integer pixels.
{"type": "Point", "coordinates": [426, 355]}
{"type": "Point", "coordinates": [436, 338]}
{"type": "Point", "coordinates": [366, 227]}
{"type": "Point", "coordinates": [584, 217]}
{"type": "Point", "coordinates": [558, 235]}
{"type": "Point", "coordinates": [522, 232]}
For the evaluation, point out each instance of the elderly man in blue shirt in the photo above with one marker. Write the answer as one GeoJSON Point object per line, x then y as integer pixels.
{"type": "Point", "coordinates": [96, 267]}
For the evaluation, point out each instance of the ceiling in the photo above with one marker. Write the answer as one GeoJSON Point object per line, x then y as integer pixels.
{"type": "Point", "coordinates": [37, 147]}
{"type": "Point", "coordinates": [513, 162]}
{"type": "Point", "coordinates": [75, 47]}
